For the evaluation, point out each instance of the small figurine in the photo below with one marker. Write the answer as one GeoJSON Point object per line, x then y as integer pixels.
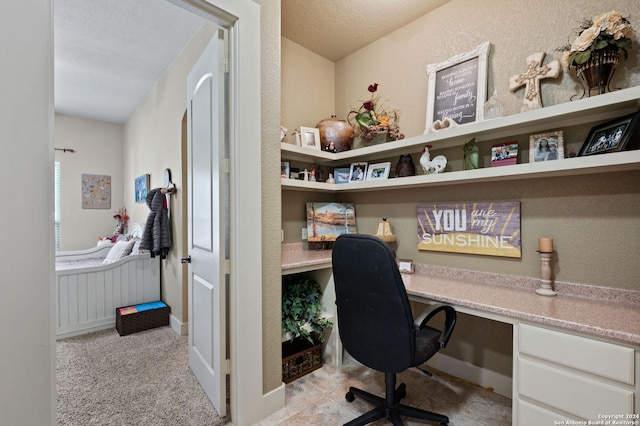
{"type": "Point", "coordinates": [434, 166]}
{"type": "Point", "coordinates": [405, 166]}
{"type": "Point", "coordinates": [471, 154]}
{"type": "Point", "coordinates": [331, 147]}
{"type": "Point", "coordinates": [312, 175]}
{"type": "Point", "coordinates": [330, 179]}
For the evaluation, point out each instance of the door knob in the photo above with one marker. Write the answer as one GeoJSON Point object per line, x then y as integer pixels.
{"type": "Point", "coordinates": [186, 259]}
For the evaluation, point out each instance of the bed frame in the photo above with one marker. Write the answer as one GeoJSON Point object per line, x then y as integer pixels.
{"type": "Point", "coordinates": [87, 297]}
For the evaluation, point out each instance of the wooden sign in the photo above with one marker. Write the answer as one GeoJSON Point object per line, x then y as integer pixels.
{"type": "Point", "coordinates": [487, 228]}
{"type": "Point", "coordinates": [458, 88]}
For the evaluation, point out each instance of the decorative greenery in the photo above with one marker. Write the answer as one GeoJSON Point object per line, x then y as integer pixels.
{"type": "Point", "coordinates": [371, 118]}
{"type": "Point", "coordinates": [302, 307]}
{"type": "Point", "coordinates": [608, 31]}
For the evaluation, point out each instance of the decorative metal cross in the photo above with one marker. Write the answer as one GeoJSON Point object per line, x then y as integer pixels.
{"type": "Point", "coordinates": [531, 79]}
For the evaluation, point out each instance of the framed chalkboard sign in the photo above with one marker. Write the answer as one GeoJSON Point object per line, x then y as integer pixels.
{"type": "Point", "coordinates": [457, 89]}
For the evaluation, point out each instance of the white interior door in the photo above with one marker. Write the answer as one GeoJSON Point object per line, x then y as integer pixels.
{"type": "Point", "coordinates": [208, 222]}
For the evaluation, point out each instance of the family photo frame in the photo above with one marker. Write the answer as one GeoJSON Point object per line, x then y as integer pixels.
{"type": "Point", "coordinates": [358, 172]}
{"type": "Point", "coordinates": [457, 89]}
{"type": "Point", "coordinates": [379, 171]}
{"type": "Point", "coordinates": [612, 136]}
{"type": "Point", "coordinates": [546, 146]}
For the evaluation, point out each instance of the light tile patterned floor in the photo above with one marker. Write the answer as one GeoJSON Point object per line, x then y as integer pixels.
{"type": "Point", "coordinates": [318, 398]}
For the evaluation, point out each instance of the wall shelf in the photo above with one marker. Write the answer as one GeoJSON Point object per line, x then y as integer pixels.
{"type": "Point", "coordinates": [583, 111]}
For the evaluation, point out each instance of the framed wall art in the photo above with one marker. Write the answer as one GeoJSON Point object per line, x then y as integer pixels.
{"type": "Point", "coordinates": [546, 147]}
{"type": "Point", "coordinates": [379, 171]}
{"type": "Point", "coordinates": [611, 136]}
{"type": "Point", "coordinates": [326, 221]}
{"type": "Point", "coordinates": [141, 188]}
{"type": "Point", "coordinates": [489, 228]}
{"type": "Point", "coordinates": [310, 137]}
{"type": "Point", "coordinates": [96, 191]}
{"type": "Point", "coordinates": [457, 89]}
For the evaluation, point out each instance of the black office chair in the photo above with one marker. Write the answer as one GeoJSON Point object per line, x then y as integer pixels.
{"type": "Point", "coordinates": [376, 324]}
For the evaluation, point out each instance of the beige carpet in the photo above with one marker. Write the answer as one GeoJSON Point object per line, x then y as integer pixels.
{"type": "Point", "coordinates": [139, 379]}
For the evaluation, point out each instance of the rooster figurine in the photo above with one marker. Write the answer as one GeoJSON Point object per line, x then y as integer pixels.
{"type": "Point", "coordinates": [434, 166]}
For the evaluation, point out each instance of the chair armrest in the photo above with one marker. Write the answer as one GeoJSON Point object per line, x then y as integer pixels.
{"type": "Point", "coordinates": [449, 322]}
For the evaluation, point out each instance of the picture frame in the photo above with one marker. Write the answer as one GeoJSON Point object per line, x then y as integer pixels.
{"type": "Point", "coordinates": [546, 147]}
{"type": "Point", "coordinates": [457, 89]}
{"type": "Point", "coordinates": [379, 171]}
{"type": "Point", "coordinates": [96, 191]}
{"type": "Point", "coordinates": [327, 220]}
{"type": "Point", "coordinates": [141, 188]}
{"type": "Point", "coordinates": [612, 136]}
{"type": "Point", "coordinates": [341, 175]}
{"type": "Point", "coordinates": [358, 172]}
{"type": "Point", "coordinates": [285, 169]}
{"type": "Point", "coordinates": [310, 137]}
{"type": "Point", "coordinates": [504, 154]}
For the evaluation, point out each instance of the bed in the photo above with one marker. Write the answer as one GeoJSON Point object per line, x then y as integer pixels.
{"type": "Point", "coordinates": [92, 283]}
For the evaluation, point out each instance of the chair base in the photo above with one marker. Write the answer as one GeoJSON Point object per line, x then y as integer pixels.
{"type": "Point", "coordinates": [390, 406]}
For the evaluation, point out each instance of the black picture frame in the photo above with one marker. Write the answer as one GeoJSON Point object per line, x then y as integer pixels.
{"type": "Point", "coordinates": [612, 136]}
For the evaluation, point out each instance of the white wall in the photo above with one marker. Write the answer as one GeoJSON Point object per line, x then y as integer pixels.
{"type": "Point", "coordinates": [27, 361]}
{"type": "Point", "coordinates": [308, 95]}
{"type": "Point", "coordinates": [98, 150]}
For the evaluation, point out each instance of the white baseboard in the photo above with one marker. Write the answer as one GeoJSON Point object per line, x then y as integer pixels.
{"type": "Point", "coordinates": [489, 379]}
{"type": "Point", "coordinates": [180, 328]}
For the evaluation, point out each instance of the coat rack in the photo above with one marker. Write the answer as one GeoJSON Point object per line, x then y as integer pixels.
{"type": "Point", "coordinates": [168, 188]}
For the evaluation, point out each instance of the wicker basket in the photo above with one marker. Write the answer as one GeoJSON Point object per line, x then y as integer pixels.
{"type": "Point", "coordinates": [132, 319]}
{"type": "Point", "coordinates": [300, 357]}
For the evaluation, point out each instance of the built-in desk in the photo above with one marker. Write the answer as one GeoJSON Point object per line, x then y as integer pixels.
{"type": "Point", "coordinates": [575, 355]}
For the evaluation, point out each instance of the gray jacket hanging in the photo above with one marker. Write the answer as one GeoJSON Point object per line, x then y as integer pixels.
{"type": "Point", "coordinates": [157, 231]}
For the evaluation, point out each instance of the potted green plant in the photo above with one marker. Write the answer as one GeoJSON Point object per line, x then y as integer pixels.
{"type": "Point", "coordinates": [302, 325]}
{"type": "Point", "coordinates": [302, 309]}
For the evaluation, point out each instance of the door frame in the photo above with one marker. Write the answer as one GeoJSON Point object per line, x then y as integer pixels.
{"type": "Point", "coordinates": [248, 402]}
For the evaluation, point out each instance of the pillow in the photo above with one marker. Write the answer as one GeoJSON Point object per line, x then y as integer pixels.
{"type": "Point", "coordinates": [119, 250]}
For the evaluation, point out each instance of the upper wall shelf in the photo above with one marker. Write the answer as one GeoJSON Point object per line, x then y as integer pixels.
{"type": "Point", "coordinates": [583, 111]}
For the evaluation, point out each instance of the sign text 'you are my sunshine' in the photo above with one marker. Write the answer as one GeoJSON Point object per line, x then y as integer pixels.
{"type": "Point", "coordinates": [487, 228]}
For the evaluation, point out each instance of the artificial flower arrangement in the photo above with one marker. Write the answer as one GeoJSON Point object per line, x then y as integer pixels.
{"type": "Point", "coordinates": [121, 217]}
{"type": "Point", "coordinates": [607, 32]}
{"type": "Point", "coordinates": [371, 118]}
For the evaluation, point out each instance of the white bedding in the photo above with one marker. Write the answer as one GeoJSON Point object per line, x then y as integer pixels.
{"type": "Point", "coordinates": [89, 262]}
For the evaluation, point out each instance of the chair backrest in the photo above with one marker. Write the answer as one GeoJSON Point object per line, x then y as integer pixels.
{"type": "Point", "coordinates": [374, 316]}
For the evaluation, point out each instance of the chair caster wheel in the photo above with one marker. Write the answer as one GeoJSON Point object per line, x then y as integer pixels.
{"type": "Point", "coordinates": [402, 391]}
{"type": "Point", "coordinates": [350, 397]}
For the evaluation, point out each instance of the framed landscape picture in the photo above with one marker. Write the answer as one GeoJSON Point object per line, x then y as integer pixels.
{"type": "Point", "coordinates": [326, 221]}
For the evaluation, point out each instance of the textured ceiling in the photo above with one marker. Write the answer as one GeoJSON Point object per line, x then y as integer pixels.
{"type": "Point", "coordinates": [108, 54]}
{"type": "Point", "coordinates": [335, 28]}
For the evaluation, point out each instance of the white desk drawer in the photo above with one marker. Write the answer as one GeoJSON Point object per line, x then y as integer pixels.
{"type": "Point", "coordinates": [572, 393]}
{"type": "Point", "coordinates": [593, 356]}
{"type": "Point", "coordinates": [533, 415]}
